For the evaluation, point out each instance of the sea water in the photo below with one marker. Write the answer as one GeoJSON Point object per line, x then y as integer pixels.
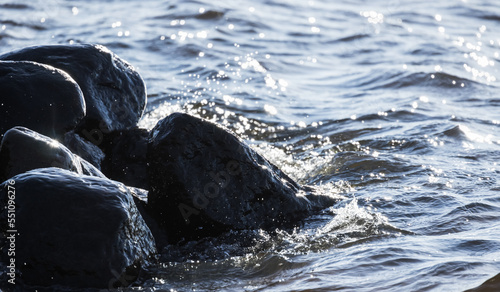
{"type": "Point", "coordinates": [391, 106]}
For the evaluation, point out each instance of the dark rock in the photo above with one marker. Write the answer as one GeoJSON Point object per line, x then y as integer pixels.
{"type": "Point", "coordinates": [114, 92]}
{"type": "Point", "coordinates": [84, 149]}
{"type": "Point", "coordinates": [491, 285]}
{"type": "Point", "coordinates": [40, 97]}
{"type": "Point", "coordinates": [126, 159]}
{"type": "Point", "coordinates": [23, 149]}
{"type": "Point", "coordinates": [141, 200]}
{"type": "Point", "coordinates": [204, 181]}
{"type": "Point", "coordinates": [74, 230]}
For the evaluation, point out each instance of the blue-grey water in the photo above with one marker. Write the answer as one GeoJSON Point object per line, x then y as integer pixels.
{"type": "Point", "coordinates": [392, 106]}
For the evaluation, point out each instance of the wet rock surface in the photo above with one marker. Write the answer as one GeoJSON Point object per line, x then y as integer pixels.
{"type": "Point", "coordinates": [114, 92]}
{"type": "Point", "coordinates": [75, 230]}
{"type": "Point", "coordinates": [126, 159]}
{"type": "Point", "coordinates": [204, 181]}
{"type": "Point", "coordinates": [84, 148]}
{"type": "Point", "coordinates": [39, 97]}
{"type": "Point", "coordinates": [22, 149]}
{"type": "Point", "coordinates": [491, 285]}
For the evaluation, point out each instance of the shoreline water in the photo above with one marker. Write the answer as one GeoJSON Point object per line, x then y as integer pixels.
{"type": "Point", "coordinates": [393, 107]}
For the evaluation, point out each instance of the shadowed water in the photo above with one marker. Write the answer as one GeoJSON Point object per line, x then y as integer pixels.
{"type": "Point", "coordinates": [393, 107]}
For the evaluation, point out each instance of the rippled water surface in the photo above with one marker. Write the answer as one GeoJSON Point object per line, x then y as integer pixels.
{"type": "Point", "coordinates": [393, 106]}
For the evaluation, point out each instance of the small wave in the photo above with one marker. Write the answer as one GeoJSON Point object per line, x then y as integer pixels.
{"type": "Point", "coordinates": [354, 221]}
{"type": "Point", "coordinates": [351, 38]}
{"type": "Point", "coordinates": [477, 246]}
{"type": "Point", "coordinates": [428, 49]}
{"type": "Point", "coordinates": [403, 145]}
{"type": "Point", "coordinates": [351, 224]}
{"type": "Point", "coordinates": [14, 6]}
{"type": "Point", "coordinates": [442, 79]}
{"type": "Point", "coordinates": [486, 13]}
{"type": "Point", "coordinates": [23, 24]}
{"type": "Point", "coordinates": [475, 208]}
{"type": "Point", "coordinates": [202, 15]}
{"type": "Point", "coordinates": [270, 264]}
{"type": "Point", "coordinates": [454, 132]}
{"type": "Point", "coordinates": [464, 134]}
{"type": "Point", "coordinates": [210, 15]}
{"type": "Point", "coordinates": [493, 17]}
{"type": "Point", "coordinates": [494, 101]}
{"type": "Point", "coordinates": [422, 79]}
{"type": "Point", "coordinates": [189, 50]}
{"type": "Point", "coordinates": [360, 168]}
{"type": "Point", "coordinates": [461, 218]}
{"type": "Point", "coordinates": [381, 79]}
{"type": "Point", "coordinates": [118, 45]}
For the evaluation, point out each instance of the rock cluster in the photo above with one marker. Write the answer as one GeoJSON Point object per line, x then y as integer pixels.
{"type": "Point", "coordinates": [114, 93]}
{"type": "Point", "coordinates": [95, 197]}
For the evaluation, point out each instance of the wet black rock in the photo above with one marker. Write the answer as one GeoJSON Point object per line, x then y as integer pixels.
{"type": "Point", "coordinates": [74, 230]}
{"type": "Point", "coordinates": [22, 149]}
{"type": "Point", "coordinates": [204, 181]}
{"type": "Point", "coordinates": [491, 285]}
{"type": "Point", "coordinates": [126, 159]}
{"type": "Point", "coordinates": [141, 200]}
{"type": "Point", "coordinates": [114, 92]}
{"type": "Point", "coordinates": [39, 97]}
{"type": "Point", "coordinates": [83, 148]}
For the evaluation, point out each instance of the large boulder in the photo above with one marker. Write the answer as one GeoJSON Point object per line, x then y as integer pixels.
{"type": "Point", "coordinates": [204, 181]}
{"type": "Point", "coordinates": [23, 149]}
{"type": "Point", "coordinates": [126, 159]}
{"type": "Point", "coordinates": [39, 97]}
{"type": "Point", "coordinates": [114, 92]}
{"type": "Point", "coordinates": [73, 230]}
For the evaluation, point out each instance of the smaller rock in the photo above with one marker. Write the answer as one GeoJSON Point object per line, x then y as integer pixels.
{"type": "Point", "coordinates": [126, 159]}
{"type": "Point", "coordinates": [141, 201]}
{"type": "Point", "coordinates": [23, 149]}
{"type": "Point", "coordinates": [491, 285]}
{"type": "Point", "coordinates": [74, 230]}
{"type": "Point", "coordinates": [39, 97]}
{"type": "Point", "coordinates": [84, 149]}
